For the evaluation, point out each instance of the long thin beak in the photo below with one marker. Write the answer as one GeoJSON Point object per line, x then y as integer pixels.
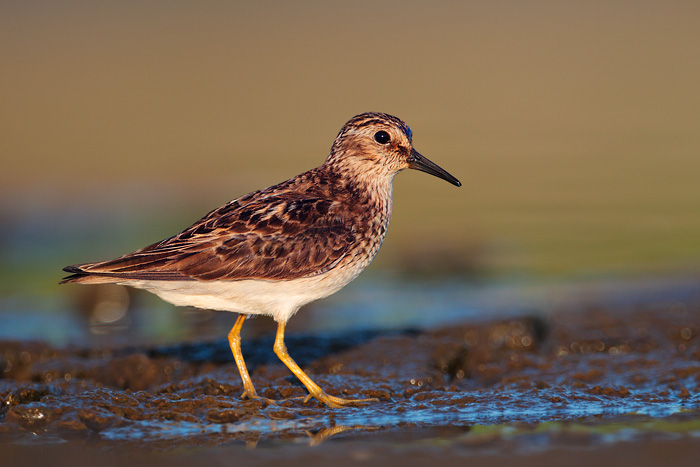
{"type": "Point", "coordinates": [422, 163]}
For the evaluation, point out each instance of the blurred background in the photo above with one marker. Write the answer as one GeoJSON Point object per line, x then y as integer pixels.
{"type": "Point", "coordinates": [573, 126]}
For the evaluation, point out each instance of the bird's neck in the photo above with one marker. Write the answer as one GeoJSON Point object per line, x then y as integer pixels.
{"type": "Point", "coordinates": [367, 187]}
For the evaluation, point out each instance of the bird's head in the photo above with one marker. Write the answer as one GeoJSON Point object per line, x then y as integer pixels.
{"type": "Point", "coordinates": [378, 144]}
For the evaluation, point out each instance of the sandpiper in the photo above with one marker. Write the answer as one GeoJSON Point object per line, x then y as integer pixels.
{"type": "Point", "coordinates": [272, 251]}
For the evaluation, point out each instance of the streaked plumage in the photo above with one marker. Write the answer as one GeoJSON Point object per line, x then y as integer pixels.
{"type": "Point", "coordinates": [274, 250]}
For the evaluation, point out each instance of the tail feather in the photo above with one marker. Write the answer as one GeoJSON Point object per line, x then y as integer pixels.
{"type": "Point", "coordinates": [75, 269]}
{"type": "Point", "coordinates": [81, 274]}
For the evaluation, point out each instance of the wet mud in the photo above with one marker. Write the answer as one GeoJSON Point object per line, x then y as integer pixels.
{"type": "Point", "coordinates": [472, 386]}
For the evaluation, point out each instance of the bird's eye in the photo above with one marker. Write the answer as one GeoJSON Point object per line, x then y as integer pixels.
{"type": "Point", "coordinates": [382, 137]}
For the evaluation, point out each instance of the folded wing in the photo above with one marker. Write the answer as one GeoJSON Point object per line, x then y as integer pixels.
{"type": "Point", "coordinates": [266, 237]}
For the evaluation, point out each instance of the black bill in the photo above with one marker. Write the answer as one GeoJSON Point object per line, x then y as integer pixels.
{"type": "Point", "coordinates": [422, 163]}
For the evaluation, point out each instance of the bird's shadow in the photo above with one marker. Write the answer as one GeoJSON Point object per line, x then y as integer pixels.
{"type": "Point", "coordinates": [305, 348]}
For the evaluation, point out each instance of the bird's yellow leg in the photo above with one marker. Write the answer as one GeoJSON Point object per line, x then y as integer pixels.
{"type": "Point", "coordinates": [313, 388]}
{"type": "Point", "coordinates": [234, 341]}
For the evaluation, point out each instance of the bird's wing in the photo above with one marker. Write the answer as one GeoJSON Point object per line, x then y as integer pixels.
{"type": "Point", "coordinates": [267, 237]}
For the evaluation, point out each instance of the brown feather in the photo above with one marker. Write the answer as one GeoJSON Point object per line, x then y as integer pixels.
{"type": "Point", "coordinates": [282, 232]}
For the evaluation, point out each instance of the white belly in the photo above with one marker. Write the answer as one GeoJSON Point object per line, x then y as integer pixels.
{"type": "Point", "coordinates": [280, 299]}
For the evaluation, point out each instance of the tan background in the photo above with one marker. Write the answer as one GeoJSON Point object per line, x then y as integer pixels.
{"type": "Point", "coordinates": [574, 126]}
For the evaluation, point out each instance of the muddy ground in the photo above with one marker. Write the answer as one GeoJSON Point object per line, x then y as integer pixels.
{"type": "Point", "coordinates": [601, 383]}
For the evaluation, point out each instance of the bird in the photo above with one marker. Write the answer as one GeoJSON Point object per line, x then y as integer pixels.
{"type": "Point", "coordinates": [274, 250]}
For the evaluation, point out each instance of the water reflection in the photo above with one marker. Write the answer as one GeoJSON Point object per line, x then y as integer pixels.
{"type": "Point", "coordinates": [106, 308]}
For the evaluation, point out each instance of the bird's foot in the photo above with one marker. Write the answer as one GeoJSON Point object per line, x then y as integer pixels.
{"type": "Point", "coordinates": [252, 395]}
{"type": "Point", "coordinates": [338, 402]}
